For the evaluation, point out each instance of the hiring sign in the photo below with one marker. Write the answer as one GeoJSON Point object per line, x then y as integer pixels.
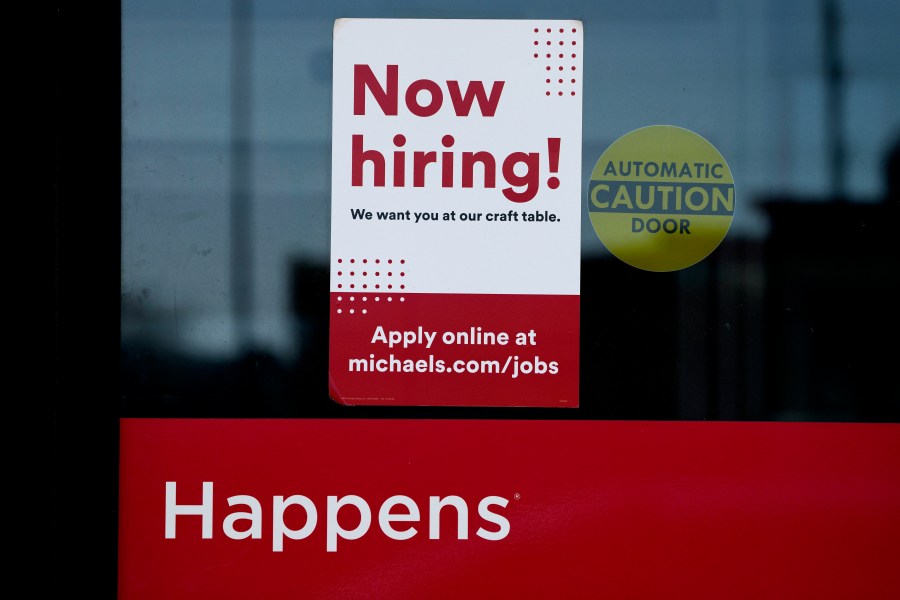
{"type": "Point", "coordinates": [455, 236]}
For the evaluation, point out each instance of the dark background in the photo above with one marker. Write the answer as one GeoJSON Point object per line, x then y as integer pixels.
{"type": "Point", "coordinates": [81, 483]}
{"type": "Point", "coordinates": [225, 204]}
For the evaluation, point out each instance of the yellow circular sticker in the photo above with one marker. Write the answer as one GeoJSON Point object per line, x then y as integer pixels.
{"type": "Point", "coordinates": [661, 198]}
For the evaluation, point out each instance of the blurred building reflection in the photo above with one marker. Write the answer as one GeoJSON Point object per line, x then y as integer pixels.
{"type": "Point", "coordinates": [225, 208]}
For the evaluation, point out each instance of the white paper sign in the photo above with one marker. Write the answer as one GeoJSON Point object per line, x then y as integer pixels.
{"type": "Point", "coordinates": [456, 207]}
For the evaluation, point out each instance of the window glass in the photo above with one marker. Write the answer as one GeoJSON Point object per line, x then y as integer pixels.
{"type": "Point", "coordinates": [226, 153]}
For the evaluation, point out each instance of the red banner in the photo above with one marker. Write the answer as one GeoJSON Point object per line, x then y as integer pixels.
{"type": "Point", "coordinates": [514, 509]}
{"type": "Point", "coordinates": [454, 349]}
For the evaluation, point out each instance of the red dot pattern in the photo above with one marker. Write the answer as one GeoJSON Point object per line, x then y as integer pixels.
{"type": "Point", "coordinates": [359, 305]}
{"type": "Point", "coordinates": [365, 280]}
{"type": "Point", "coordinates": [560, 36]}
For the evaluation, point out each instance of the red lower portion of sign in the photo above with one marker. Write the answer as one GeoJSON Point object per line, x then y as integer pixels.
{"type": "Point", "coordinates": [579, 509]}
{"type": "Point", "coordinates": [454, 349]}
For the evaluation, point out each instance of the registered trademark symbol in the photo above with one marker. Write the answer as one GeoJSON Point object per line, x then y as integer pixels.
{"type": "Point", "coordinates": [517, 495]}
